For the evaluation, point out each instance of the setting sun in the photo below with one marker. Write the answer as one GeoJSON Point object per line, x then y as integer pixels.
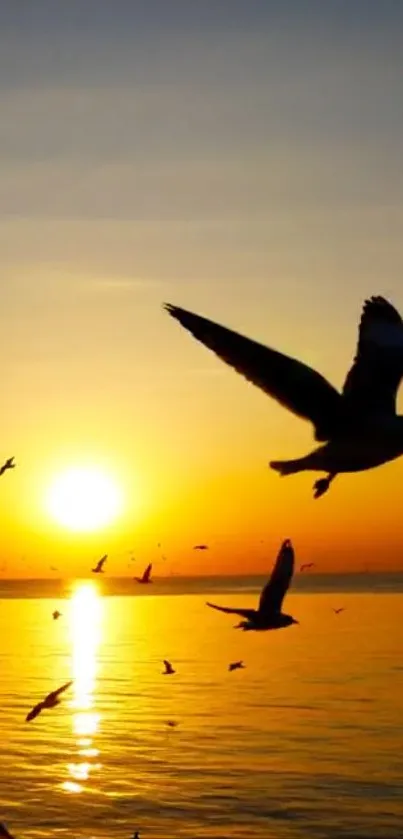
{"type": "Point", "coordinates": [84, 499]}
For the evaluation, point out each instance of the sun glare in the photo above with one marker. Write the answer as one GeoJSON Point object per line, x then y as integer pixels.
{"type": "Point", "coordinates": [84, 499]}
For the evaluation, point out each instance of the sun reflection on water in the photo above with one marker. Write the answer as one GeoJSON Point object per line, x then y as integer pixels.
{"type": "Point", "coordinates": [85, 627]}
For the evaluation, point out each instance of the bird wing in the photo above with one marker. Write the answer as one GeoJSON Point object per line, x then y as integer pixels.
{"type": "Point", "coordinates": [102, 561]}
{"type": "Point", "coordinates": [5, 833]}
{"type": "Point", "coordinates": [372, 382]}
{"type": "Point", "coordinates": [290, 382]}
{"type": "Point", "coordinates": [34, 712]}
{"type": "Point", "coordinates": [56, 693]}
{"type": "Point", "coordinates": [274, 591]}
{"type": "Point", "coordinates": [244, 613]}
{"type": "Point", "coordinates": [167, 665]}
{"type": "Point", "coordinates": [147, 572]}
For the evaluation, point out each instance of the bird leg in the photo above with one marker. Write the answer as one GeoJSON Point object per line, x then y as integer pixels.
{"type": "Point", "coordinates": [322, 485]}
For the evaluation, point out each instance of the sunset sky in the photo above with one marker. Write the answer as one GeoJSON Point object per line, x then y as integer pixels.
{"type": "Point", "coordinates": [241, 159]}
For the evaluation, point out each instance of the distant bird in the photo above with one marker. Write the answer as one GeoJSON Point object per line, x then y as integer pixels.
{"type": "Point", "coordinates": [306, 565]}
{"type": "Point", "coordinates": [56, 614]}
{"type": "Point", "coordinates": [50, 701]}
{"type": "Point", "coordinates": [5, 833]}
{"type": "Point", "coordinates": [200, 547]}
{"type": "Point", "coordinates": [146, 576]}
{"type": "Point", "coordinates": [337, 611]}
{"type": "Point", "coordinates": [52, 568]}
{"type": "Point", "coordinates": [172, 723]}
{"type": "Point", "coordinates": [268, 615]}
{"type": "Point", "coordinates": [99, 566]}
{"type": "Point", "coordinates": [236, 665]}
{"type": "Point", "coordinates": [9, 464]}
{"type": "Point", "coordinates": [359, 427]}
{"type": "Point", "coordinates": [136, 835]}
{"type": "Point", "coordinates": [169, 671]}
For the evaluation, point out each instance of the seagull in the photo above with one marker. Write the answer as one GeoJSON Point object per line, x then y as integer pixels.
{"type": "Point", "coordinates": [200, 547]}
{"type": "Point", "coordinates": [50, 701]}
{"type": "Point", "coordinates": [8, 464]}
{"type": "Point", "coordinates": [100, 564]}
{"type": "Point", "coordinates": [146, 576]}
{"type": "Point", "coordinates": [337, 611]}
{"type": "Point", "coordinates": [236, 665]}
{"type": "Point", "coordinates": [268, 615]}
{"type": "Point", "coordinates": [306, 565]}
{"type": "Point", "coordinates": [4, 832]}
{"type": "Point", "coordinates": [358, 428]}
{"type": "Point", "coordinates": [169, 671]}
{"type": "Point", "coordinates": [56, 614]}
{"type": "Point", "coordinates": [172, 723]}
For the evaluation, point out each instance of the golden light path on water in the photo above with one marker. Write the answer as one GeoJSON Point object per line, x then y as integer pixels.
{"type": "Point", "coordinates": [85, 629]}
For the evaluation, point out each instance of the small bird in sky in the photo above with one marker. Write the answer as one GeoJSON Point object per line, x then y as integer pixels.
{"type": "Point", "coordinates": [9, 464]}
{"type": "Point", "coordinates": [357, 429]}
{"type": "Point", "coordinates": [53, 568]}
{"type": "Point", "coordinates": [5, 833]}
{"type": "Point", "coordinates": [306, 565]}
{"type": "Point", "coordinates": [268, 615]}
{"type": "Point", "coordinates": [56, 614]}
{"type": "Point", "coordinates": [136, 835]}
{"type": "Point", "coordinates": [169, 671]}
{"type": "Point", "coordinates": [200, 547]}
{"type": "Point", "coordinates": [50, 701]}
{"type": "Point", "coordinates": [337, 611]}
{"type": "Point", "coordinates": [172, 723]}
{"type": "Point", "coordinates": [146, 576]}
{"type": "Point", "coordinates": [100, 565]}
{"type": "Point", "coordinates": [236, 665]}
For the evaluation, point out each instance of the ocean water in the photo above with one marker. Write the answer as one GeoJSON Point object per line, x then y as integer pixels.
{"type": "Point", "coordinates": [304, 743]}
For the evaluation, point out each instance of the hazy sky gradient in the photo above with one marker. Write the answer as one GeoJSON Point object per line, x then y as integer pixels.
{"type": "Point", "coordinates": [242, 159]}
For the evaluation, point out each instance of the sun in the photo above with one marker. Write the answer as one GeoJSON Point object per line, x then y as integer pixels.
{"type": "Point", "coordinates": [84, 499]}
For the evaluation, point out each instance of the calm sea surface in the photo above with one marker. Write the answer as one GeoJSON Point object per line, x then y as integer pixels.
{"type": "Point", "coordinates": [305, 743]}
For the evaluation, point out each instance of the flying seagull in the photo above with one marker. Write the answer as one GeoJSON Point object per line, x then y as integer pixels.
{"type": "Point", "coordinates": [50, 701]}
{"type": "Point", "coordinates": [146, 576]}
{"type": "Point", "coordinates": [169, 671]}
{"type": "Point", "coordinates": [172, 723]}
{"type": "Point", "coordinates": [306, 565]}
{"type": "Point", "coordinates": [5, 833]}
{"type": "Point", "coordinates": [268, 615]}
{"type": "Point", "coordinates": [8, 464]}
{"type": "Point", "coordinates": [56, 614]}
{"type": "Point", "coordinates": [200, 547]}
{"type": "Point", "coordinates": [359, 428]}
{"type": "Point", "coordinates": [100, 565]}
{"type": "Point", "coordinates": [236, 665]}
{"type": "Point", "coordinates": [337, 611]}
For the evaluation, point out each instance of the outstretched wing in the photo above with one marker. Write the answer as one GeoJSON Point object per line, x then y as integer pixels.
{"type": "Point", "coordinates": [290, 382]}
{"type": "Point", "coordinates": [35, 712]}
{"type": "Point", "coordinates": [372, 383]}
{"type": "Point", "coordinates": [5, 833]}
{"type": "Point", "coordinates": [244, 613]}
{"type": "Point", "coordinates": [56, 693]}
{"type": "Point", "coordinates": [147, 572]}
{"type": "Point", "coordinates": [274, 591]}
{"type": "Point", "coordinates": [167, 665]}
{"type": "Point", "coordinates": [102, 561]}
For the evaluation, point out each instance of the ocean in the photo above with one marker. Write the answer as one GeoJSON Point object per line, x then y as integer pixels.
{"type": "Point", "coordinates": [304, 743]}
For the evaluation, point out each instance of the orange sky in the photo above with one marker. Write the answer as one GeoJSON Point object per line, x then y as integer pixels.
{"type": "Point", "coordinates": [233, 170]}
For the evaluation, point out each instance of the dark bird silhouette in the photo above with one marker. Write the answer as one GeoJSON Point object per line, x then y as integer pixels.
{"type": "Point", "coordinates": [136, 835]}
{"type": "Point", "coordinates": [50, 701]}
{"type": "Point", "coordinates": [146, 576]}
{"type": "Point", "coordinates": [200, 547]}
{"type": "Point", "coordinates": [359, 427]}
{"type": "Point", "coordinates": [172, 723]}
{"type": "Point", "coordinates": [56, 614]}
{"type": "Point", "coordinates": [306, 565]}
{"type": "Point", "coordinates": [268, 615]}
{"type": "Point", "coordinates": [9, 464]}
{"type": "Point", "coordinates": [236, 665]}
{"type": "Point", "coordinates": [100, 565]}
{"type": "Point", "coordinates": [53, 568]}
{"type": "Point", "coordinates": [169, 671]}
{"type": "Point", "coordinates": [337, 611]}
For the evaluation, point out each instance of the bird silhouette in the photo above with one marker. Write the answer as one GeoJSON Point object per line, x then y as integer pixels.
{"type": "Point", "coordinates": [8, 464]}
{"type": "Point", "coordinates": [236, 665]}
{"type": "Point", "coordinates": [136, 835]}
{"type": "Point", "coordinates": [5, 833]}
{"type": "Point", "coordinates": [146, 576]}
{"type": "Point", "coordinates": [56, 614]}
{"type": "Point", "coordinates": [172, 723]}
{"type": "Point", "coordinates": [358, 427]}
{"type": "Point", "coordinates": [100, 565]}
{"type": "Point", "coordinates": [200, 547]}
{"type": "Point", "coordinates": [268, 615]}
{"type": "Point", "coordinates": [169, 671]}
{"type": "Point", "coordinates": [306, 565]}
{"type": "Point", "coordinates": [337, 611]}
{"type": "Point", "coordinates": [50, 701]}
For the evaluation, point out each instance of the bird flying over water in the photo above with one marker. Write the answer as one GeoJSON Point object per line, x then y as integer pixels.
{"type": "Point", "coordinates": [200, 547]}
{"type": "Point", "coordinates": [50, 701]}
{"type": "Point", "coordinates": [306, 565]}
{"type": "Point", "coordinates": [146, 576]}
{"type": "Point", "coordinates": [56, 614]}
{"type": "Point", "coordinates": [8, 464]}
{"type": "Point", "coordinates": [337, 611]}
{"type": "Point", "coordinates": [169, 671]}
{"type": "Point", "coordinates": [100, 565]}
{"type": "Point", "coordinates": [172, 723]}
{"type": "Point", "coordinates": [268, 615]}
{"type": "Point", "coordinates": [359, 428]}
{"type": "Point", "coordinates": [236, 665]}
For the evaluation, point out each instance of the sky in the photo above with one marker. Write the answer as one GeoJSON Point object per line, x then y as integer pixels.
{"type": "Point", "coordinates": [240, 159]}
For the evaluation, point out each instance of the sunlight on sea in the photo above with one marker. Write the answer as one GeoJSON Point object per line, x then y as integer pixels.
{"type": "Point", "coordinates": [304, 743]}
